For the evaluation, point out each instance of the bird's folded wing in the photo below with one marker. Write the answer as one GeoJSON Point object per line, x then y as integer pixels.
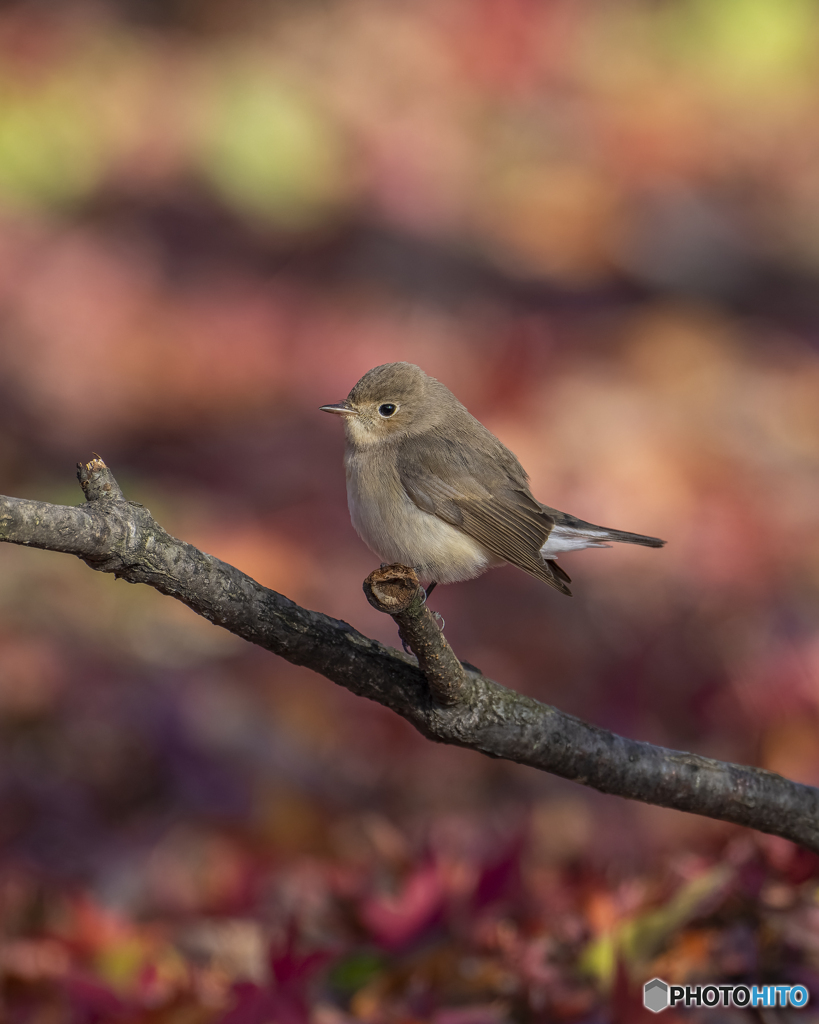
{"type": "Point", "coordinates": [483, 497]}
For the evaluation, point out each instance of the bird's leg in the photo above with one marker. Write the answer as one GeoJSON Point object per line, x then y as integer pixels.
{"type": "Point", "coordinates": [436, 615]}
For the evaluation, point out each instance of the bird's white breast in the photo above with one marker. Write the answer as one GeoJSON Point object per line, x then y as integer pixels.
{"type": "Point", "coordinates": [393, 526]}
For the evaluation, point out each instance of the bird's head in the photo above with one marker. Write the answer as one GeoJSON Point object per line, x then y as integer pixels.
{"type": "Point", "coordinates": [391, 400]}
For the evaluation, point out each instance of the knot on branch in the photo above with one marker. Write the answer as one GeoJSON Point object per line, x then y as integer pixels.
{"type": "Point", "coordinates": [97, 481]}
{"type": "Point", "coordinates": [395, 590]}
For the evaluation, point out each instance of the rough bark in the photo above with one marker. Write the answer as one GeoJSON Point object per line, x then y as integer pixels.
{"type": "Point", "coordinates": [443, 698]}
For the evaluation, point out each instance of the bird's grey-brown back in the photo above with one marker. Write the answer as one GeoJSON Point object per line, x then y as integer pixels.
{"type": "Point", "coordinates": [429, 486]}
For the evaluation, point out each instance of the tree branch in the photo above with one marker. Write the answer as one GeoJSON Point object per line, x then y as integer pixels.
{"type": "Point", "coordinates": [452, 704]}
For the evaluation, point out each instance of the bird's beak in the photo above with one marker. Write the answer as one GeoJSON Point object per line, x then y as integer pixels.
{"type": "Point", "coordinates": [340, 409]}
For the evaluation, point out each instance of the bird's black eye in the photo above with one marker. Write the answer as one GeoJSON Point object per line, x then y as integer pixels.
{"type": "Point", "coordinates": [387, 409]}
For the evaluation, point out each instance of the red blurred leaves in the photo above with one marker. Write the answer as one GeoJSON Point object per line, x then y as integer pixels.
{"type": "Point", "coordinates": [394, 921]}
{"type": "Point", "coordinates": [463, 939]}
{"type": "Point", "coordinates": [286, 1000]}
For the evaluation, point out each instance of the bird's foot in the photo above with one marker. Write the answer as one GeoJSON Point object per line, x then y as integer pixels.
{"type": "Point", "coordinates": [436, 615]}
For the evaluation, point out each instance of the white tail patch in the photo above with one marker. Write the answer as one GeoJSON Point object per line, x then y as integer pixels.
{"type": "Point", "coordinates": [571, 538]}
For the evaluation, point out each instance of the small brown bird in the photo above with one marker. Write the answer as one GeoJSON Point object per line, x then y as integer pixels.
{"type": "Point", "coordinates": [430, 487]}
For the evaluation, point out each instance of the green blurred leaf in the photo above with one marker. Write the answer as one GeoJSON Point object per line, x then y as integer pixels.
{"type": "Point", "coordinates": [50, 148]}
{"type": "Point", "coordinates": [747, 44]}
{"type": "Point", "coordinates": [638, 939]}
{"type": "Point", "coordinates": [119, 963]}
{"type": "Point", "coordinates": [355, 971]}
{"type": "Point", "coordinates": [270, 151]}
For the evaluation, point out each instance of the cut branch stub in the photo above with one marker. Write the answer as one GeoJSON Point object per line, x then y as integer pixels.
{"type": "Point", "coordinates": [395, 590]}
{"type": "Point", "coordinates": [97, 481]}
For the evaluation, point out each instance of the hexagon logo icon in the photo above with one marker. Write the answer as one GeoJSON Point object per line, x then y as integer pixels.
{"type": "Point", "coordinates": [655, 995]}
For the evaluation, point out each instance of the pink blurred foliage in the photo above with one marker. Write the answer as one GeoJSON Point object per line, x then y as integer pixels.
{"type": "Point", "coordinates": [394, 921]}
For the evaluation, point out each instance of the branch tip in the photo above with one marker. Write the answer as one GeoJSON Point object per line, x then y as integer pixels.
{"type": "Point", "coordinates": [97, 481]}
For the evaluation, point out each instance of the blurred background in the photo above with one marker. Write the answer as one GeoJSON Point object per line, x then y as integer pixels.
{"type": "Point", "coordinates": [598, 224]}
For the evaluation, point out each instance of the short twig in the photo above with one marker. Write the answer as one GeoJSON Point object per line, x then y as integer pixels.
{"type": "Point", "coordinates": [395, 590]}
{"type": "Point", "coordinates": [97, 481]}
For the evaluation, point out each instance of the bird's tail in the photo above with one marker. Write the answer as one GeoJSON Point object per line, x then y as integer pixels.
{"type": "Point", "coordinates": [572, 534]}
